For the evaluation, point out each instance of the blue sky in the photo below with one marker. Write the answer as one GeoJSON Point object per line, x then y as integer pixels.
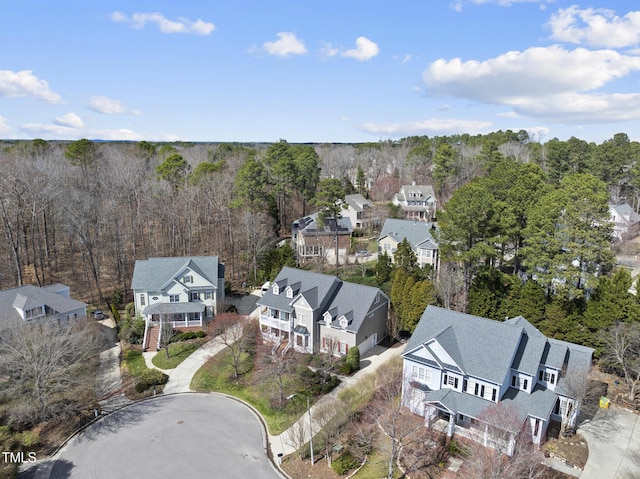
{"type": "Point", "coordinates": [330, 71]}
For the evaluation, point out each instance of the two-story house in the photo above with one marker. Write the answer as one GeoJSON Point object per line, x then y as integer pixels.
{"type": "Point", "coordinates": [32, 302]}
{"type": "Point", "coordinates": [626, 222]}
{"type": "Point", "coordinates": [314, 312]}
{"type": "Point", "coordinates": [456, 365]}
{"type": "Point", "coordinates": [314, 238]}
{"type": "Point", "coordinates": [361, 212]}
{"type": "Point", "coordinates": [418, 234]}
{"type": "Point", "coordinates": [183, 291]}
{"type": "Point", "coordinates": [417, 202]}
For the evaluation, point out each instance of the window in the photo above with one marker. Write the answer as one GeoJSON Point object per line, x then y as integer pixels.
{"type": "Point", "coordinates": [194, 296]}
{"type": "Point", "coordinates": [174, 298]}
{"type": "Point", "coordinates": [474, 421]}
{"type": "Point", "coordinates": [208, 295]}
{"type": "Point", "coordinates": [549, 377]}
{"type": "Point", "coordinates": [482, 390]}
{"type": "Point", "coordinates": [188, 279]}
{"type": "Point", "coordinates": [289, 292]}
{"type": "Point", "coordinates": [208, 311]}
{"type": "Point", "coordinates": [142, 300]}
{"type": "Point", "coordinates": [421, 374]}
{"type": "Point", "coordinates": [451, 381]}
{"type": "Point", "coordinates": [493, 394]}
{"type": "Point", "coordinates": [526, 383]}
{"type": "Point", "coordinates": [513, 381]}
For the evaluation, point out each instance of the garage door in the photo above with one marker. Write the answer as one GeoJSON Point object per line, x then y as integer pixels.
{"type": "Point", "coordinates": [368, 343]}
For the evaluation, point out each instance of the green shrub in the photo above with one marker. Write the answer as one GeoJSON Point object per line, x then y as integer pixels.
{"type": "Point", "coordinates": [344, 463]}
{"type": "Point", "coordinates": [149, 378]}
{"type": "Point", "coordinates": [28, 438]}
{"type": "Point", "coordinates": [353, 359]}
{"type": "Point", "coordinates": [130, 309]}
{"type": "Point", "coordinates": [132, 330]}
{"type": "Point", "coordinates": [187, 335]}
{"type": "Point", "coordinates": [457, 449]}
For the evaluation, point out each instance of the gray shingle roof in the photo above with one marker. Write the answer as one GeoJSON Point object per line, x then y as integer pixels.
{"type": "Point", "coordinates": [424, 192]}
{"type": "Point", "coordinates": [29, 296]}
{"type": "Point", "coordinates": [327, 292]}
{"type": "Point", "coordinates": [483, 348]}
{"type": "Point", "coordinates": [155, 273]}
{"type": "Point", "coordinates": [418, 233]}
{"type": "Point", "coordinates": [357, 202]}
{"type": "Point", "coordinates": [309, 225]}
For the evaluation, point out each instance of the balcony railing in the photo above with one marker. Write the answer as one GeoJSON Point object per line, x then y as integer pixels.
{"type": "Point", "coordinates": [284, 324]}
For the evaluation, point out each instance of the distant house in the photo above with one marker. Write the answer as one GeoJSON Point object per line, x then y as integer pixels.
{"type": "Point", "coordinates": [33, 302]}
{"type": "Point", "coordinates": [626, 222]}
{"type": "Point", "coordinates": [417, 202]}
{"type": "Point", "coordinates": [361, 212]}
{"type": "Point", "coordinates": [314, 312]}
{"type": "Point", "coordinates": [314, 238]}
{"type": "Point", "coordinates": [418, 234]}
{"type": "Point", "coordinates": [183, 291]}
{"type": "Point", "coordinates": [456, 365]}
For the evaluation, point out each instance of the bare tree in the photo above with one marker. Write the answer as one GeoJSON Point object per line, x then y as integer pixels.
{"type": "Point", "coordinates": [297, 436]}
{"type": "Point", "coordinates": [449, 284]}
{"type": "Point", "coordinates": [228, 327]}
{"type": "Point", "coordinates": [47, 363]}
{"type": "Point", "coordinates": [274, 373]}
{"type": "Point", "coordinates": [502, 448]}
{"type": "Point", "coordinates": [408, 441]}
{"type": "Point", "coordinates": [329, 419]}
{"type": "Point", "coordinates": [165, 334]}
{"type": "Point", "coordinates": [622, 354]}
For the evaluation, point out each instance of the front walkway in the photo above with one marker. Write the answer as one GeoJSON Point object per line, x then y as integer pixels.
{"type": "Point", "coordinates": [370, 362]}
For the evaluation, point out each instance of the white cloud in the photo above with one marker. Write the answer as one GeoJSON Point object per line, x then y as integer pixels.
{"type": "Point", "coordinates": [65, 132]}
{"type": "Point", "coordinates": [109, 106]}
{"type": "Point", "coordinates": [25, 83]}
{"type": "Point", "coordinates": [286, 45]}
{"type": "Point", "coordinates": [430, 126]}
{"type": "Point", "coordinates": [595, 27]}
{"type": "Point", "coordinates": [458, 5]}
{"type": "Point", "coordinates": [365, 50]}
{"type": "Point", "coordinates": [328, 50]}
{"type": "Point", "coordinates": [544, 82]}
{"type": "Point", "coordinates": [69, 120]}
{"type": "Point", "coordinates": [181, 25]}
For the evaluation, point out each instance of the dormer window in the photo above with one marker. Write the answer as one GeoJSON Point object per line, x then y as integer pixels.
{"type": "Point", "coordinates": [276, 289]}
{"type": "Point", "coordinates": [188, 279]}
{"type": "Point", "coordinates": [343, 322]}
{"type": "Point", "coordinates": [289, 292]}
{"type": "Point", "coordinates": [327, 318]}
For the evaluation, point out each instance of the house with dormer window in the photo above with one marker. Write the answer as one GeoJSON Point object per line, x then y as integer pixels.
{"type": "Point", "coordinates": [185, 292]}
{"type": "Point", "coordinates": [318, 313]}
{"type": "Point", "coordinates": [30, 302]}
{"type": "Point", "coordinates": [456, 365]}
{"type": "Point", "coordinates": [417, 202]}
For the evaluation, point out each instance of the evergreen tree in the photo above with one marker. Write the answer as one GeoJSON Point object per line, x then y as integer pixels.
{"type": "Point", "coordinates": [383, 268]}
{"type": "Point", "coordinates": [404, 257]}
{"type": "Point", "coordinates": [361, 182]}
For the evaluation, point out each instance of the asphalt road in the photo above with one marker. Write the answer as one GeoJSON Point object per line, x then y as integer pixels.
{"type": "Point", "coordinates": [181, 436]}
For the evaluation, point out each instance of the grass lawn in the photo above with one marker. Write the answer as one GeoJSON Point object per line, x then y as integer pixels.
{"type": "Point", "coordinates": [135, 362]}
{"type": "Point", "coordinates": [217, 375]}
{"type": "Point", "coordinates": [178, 352]}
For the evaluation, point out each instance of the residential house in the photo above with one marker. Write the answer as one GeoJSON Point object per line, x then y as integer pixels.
{"type": "Point", "coordinates": [361, 212]}
{"type": "Point", "coordinates": [418, 234]}
{"type": "Point", "coordinates": [456, 365]}
{"type": "Point", "coordinates": [32, 302]}
{"type": "Point", "coordinates": [183, 291]}
{"type": "Point", "coordinates": [626, 222]}
{"type": "Point", "coordinates": [314, 238]}
{"type": "Point", "coordinates": [418, 202]}
{"type": "Point", "coordinates": [314, 312]}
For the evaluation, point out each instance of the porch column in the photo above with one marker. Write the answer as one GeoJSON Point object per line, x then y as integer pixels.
{"type": "Point", "coordinates": [452, 424]}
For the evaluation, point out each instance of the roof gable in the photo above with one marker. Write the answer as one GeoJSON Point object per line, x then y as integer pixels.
{"type": "Point", "coordinates": [155, 274]}
{"type": "Point", "coordinates": [418, 233]}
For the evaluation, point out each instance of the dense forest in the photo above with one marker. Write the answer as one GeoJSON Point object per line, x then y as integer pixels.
{"type": "Point", "coordinates": [82, 212]}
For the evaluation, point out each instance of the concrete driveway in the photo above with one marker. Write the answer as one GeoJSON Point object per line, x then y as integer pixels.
{"type": "Point", "coordinates": [613, 436]}
{"type": "Point", "coordinates": [179, 436]}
